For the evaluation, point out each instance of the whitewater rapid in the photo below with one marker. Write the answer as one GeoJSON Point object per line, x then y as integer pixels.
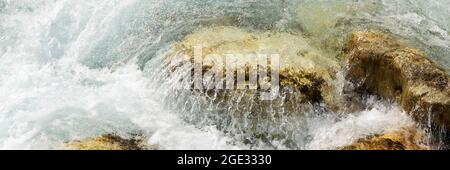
{"type": "Point", "coordinates": [76, 69]}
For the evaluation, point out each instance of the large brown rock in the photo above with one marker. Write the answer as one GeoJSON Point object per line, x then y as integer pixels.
{"type": "Point", "coordinates": [303, 68]}
{"type": "Point", "coordinates": [380, 64]}
{"type": "Point", "coordinates": [306, 81]}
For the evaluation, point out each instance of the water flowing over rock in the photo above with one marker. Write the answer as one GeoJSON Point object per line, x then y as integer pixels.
{"type": "Point", "coordinates": [302, 68]}
{"type": "Point", "coordinates": [74, 70]}
{"type": "Point", "coordinates": [306, 81]}
{"type": "Point", "coordinates": [380, 64]}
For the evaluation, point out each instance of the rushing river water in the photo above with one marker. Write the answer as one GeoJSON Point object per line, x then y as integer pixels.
{"type": "Point", "coordinates": [72, 69]}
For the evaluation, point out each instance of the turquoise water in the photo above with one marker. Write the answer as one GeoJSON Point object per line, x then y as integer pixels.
{"type": "Point", "coordinates": [76, 69]}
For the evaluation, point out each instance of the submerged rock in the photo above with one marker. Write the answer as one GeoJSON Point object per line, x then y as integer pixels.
{"type": "Point", "coordinates": [380, 64]}
{"type": "Point", "coordinates": [111, 142]}
{"type": "Point", "coordinates": [326, 29]}
{"type": "Point", "coordinates": [406, 139]}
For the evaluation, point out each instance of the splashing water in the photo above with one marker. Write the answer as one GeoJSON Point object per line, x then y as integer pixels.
{"type": "Point", "coordinates": [76, 69]}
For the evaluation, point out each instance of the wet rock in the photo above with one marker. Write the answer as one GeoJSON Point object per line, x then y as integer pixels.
{"type": "Point", "coordinates": [111, 142]}
{"type": "Point", "coordinates": [406, 139]}
{"type": "Point", "coordinates": [303, 69]}
{"type": "Point", "coordinates": [306, 83]}
{"type": "Point", "coordinates": [380, 64]}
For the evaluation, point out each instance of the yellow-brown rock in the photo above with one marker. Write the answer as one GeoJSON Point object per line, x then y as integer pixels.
{"type": "Point", "coordinates": [302, 68]}
{"type": "Point", "coordinates": [380, 64]}
{"type": "Point", "coordinates": [405, 139]}
{"type": "Point", "coordinates": [110, 142]}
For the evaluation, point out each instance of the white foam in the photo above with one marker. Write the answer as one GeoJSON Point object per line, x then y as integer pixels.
{"type": "Point", "coordinates": [380, 119]}
{"type": "Point", "coordinates": [56, 86]}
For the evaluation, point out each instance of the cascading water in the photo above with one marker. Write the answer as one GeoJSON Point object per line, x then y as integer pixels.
{"type": "Point", "coordinates": [76, 69]}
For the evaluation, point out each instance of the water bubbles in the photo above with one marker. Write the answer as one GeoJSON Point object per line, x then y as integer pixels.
{"type": "Point", "coordinates": [74, 69]}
